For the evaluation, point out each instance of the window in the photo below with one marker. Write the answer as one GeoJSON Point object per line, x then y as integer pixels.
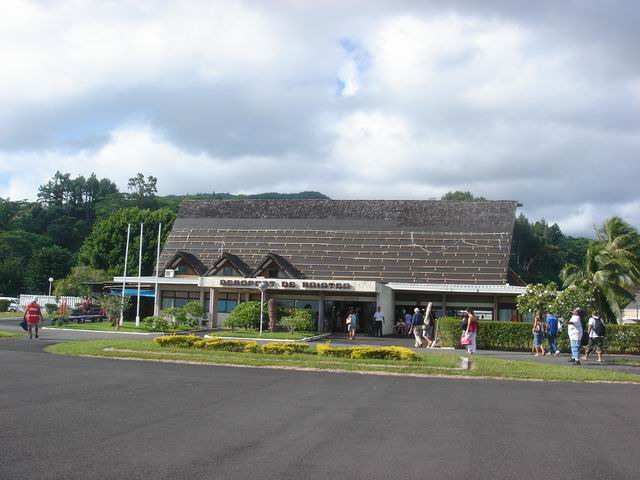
{"type": "Point", "coordinates": [170, 298]}
{"type": "Point", "coordinates": [227, 271]}
{"type": "Point", "coordinates": [227, 302]}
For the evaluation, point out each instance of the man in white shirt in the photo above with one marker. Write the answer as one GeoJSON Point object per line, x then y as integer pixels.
{"type": "Point", "coordinates": [378, 321]}
{"type": "Point", "coordinates": [595, 328]}
{"type": "Point", "coordinates": [574, 329]}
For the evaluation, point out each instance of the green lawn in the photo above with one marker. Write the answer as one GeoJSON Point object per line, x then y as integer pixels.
{"type": "Point", "coordinates": [10, 334]}
{"type": "Point", "coordinates": [265, 334]}
{"type": "Point", "coordinates": [11, 314]}
{"type": "Point", "coordinates": [107, 327]}
{"type": "Point", "coordinates": [429, 364]}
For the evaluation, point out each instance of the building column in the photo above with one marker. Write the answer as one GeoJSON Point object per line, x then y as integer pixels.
{"type": "Point", "coordinates": [157, 303]}
{"type": "Point", "coordinates": [213, 308]}
{"type": "Point", "coordinates": [386, 300]}
{"type": "Point", "coordinates": [495, 307]}
{"type": "Point", "coordinates": [321, 319]}
{"type": "Point", "coordinates": [444, 304]}
{"type": "Point", "coordinates": [201, 303]}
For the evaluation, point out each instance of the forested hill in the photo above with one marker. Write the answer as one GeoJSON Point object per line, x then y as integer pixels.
{"type": "Point", "coordinates": [75, 221]}
{"type": "Point", "coordinates": [77, 224]}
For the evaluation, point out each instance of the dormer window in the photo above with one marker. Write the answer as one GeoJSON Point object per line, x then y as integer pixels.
{"type": "Point", "coordinates": [186, 263]}
{"type": "Point", "coordinates": [275, 266]}
{"type": "Point", "coordinates": [229, 265]}
{"type": "Point", "coordinates": [228, 271]}
{"type": "Point", "coordinates": [182, 269]}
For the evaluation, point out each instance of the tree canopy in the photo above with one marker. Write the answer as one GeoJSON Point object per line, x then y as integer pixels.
{"type": "Point", "coordinates": [104, 247]}
{"type": "Point", "coordinates": [612, 265]}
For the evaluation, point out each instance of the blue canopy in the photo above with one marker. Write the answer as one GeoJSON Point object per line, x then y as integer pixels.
{"type": "Point", "coordinates": [133, 292]}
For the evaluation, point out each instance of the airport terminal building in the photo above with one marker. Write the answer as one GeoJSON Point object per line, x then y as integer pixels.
{"type": "Point", "coordinates": [332, 255]}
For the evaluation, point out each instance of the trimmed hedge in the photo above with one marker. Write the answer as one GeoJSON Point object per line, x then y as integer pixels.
{"type": "Point", "coordinates": [283, 348]}
{"type": "Point", "coordinates": [384, 353]}
{"type": "Point", "coordinates": [517, 336]}
{"type": "Point", "coordinates": [217, 343]}
{"type": "Point", "coordinates": [380, 353]}
{"type": "Point", "coordinates": [177, 340]}
{"type": "Point", "coordinates": [329, 351]}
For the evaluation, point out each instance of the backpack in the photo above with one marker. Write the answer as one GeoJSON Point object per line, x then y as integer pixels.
{"type": "Point", "coordinates": [599, 327]}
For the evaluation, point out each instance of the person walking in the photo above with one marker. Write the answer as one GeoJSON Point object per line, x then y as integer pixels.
{"type": "Point", "coordinates": [408, 320]}
{"type": "Point", "coordinates": [552, 333]}
{"type": "Point", "coordinates": [574, 330]}
{"type": "Point", "coordinates": [418, 326]}
{"type": "Point", "coordinates": [378, 321]}
{"type": "Point", "coordinates": [33, 316]}
{"type": "Point", "coordinates": [352, 324]}
{"type": "Point", "coordinates": [538, 333]}
{"type": "Point", "coordinates": [429, 325]}
{"type": "Point", "coordinates": [473, 327]}
{"type": "Point", "coordinates": [596, 330]}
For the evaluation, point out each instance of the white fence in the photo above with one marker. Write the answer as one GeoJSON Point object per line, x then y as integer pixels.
{"type": "Point", "coordinates": [44, 299]}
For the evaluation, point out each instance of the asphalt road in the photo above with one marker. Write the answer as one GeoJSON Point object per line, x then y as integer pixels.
{"type": "Point", "coordinates": [84, 418]}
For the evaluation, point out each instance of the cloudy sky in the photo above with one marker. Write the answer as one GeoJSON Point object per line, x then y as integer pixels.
{"type": "Point", "coordinates": [533, 101]}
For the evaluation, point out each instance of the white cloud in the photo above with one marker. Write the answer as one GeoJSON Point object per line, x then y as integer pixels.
{"type": "Point", "coordinates": [241, 96]}
{"type": "Point", "coordinates": [48, 52]}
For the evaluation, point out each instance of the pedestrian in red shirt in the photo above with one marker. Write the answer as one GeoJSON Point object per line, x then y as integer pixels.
{"type": "Point", "coordinates": [33, 316]}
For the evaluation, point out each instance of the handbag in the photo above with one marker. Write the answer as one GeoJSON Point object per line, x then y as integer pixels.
{"type": "Point", "coordinates": [24, 325]}
{"type": "Point", "coordinates": [465, 339]}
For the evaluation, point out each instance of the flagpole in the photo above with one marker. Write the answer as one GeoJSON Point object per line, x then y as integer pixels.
{"type": "Point", "coordinates": [124, 276]}
{"type": "Point", "coordinates": [156, 305]}
{"type": "Point", "coordinates": [139, 274]}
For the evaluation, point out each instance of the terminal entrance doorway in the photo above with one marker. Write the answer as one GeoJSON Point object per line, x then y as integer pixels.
{"type": "Point", "coordinates": [337, 312]}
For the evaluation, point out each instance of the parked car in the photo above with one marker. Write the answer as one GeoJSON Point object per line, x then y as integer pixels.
{"type": "Point", "coordinates": [13, 306]}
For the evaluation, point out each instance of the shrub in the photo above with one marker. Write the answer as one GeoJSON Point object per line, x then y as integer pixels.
{"type": "Point", "coordinates": [283, 348]}
{"type": "Point", "coordinates": [177, 340]}
{"type": "Point", "coordinates": [328, 351]}
{"type": "Point", "coordinates": [156, 324]}
{"type": "Point", "coordinates": [299, 321]}
{"type": "Point", "coordinates": [381, 353]}
{"type": "Point", "coordinates": [245, 346]}
{"type": "Point", "coordinates": [385, 353]}
{"type": "Point", "coordinates": [4, 305]}
{"type": "Point", "coordinates": [245, 315]}
{"type": "Point", "coordinates": [517, 336]}
{"type": "Point", "coordinates": [51, 308]}
{"type": "Point", "coordinates": [622, 339]}
{"type": "Point", "coordinates": [194, 312]}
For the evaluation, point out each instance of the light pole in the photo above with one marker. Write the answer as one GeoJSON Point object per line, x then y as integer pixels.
{"type": "Point", "coordinates": [263, 288]}
{"type": "Point", "coordinates": [50, 283]}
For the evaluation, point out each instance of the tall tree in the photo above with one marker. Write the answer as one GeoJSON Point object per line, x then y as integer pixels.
{"type": "Point", "coordinates": [104, 247]}
{"type": "Point", "coordinates": [48, 262]}
{"type": "Point", "coordinates": [461, 196]}
{"type": "Point", "coordinates": [612, 264]}
{"type": "Point", "coordinates": [144, 191]}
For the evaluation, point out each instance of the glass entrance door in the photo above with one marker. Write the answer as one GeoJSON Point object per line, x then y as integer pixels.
{"type": "Point", "coordinates": [337, 312]}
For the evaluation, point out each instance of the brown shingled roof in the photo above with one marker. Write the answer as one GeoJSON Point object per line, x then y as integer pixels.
{"type": "Point", "coordinates": [403, 241]}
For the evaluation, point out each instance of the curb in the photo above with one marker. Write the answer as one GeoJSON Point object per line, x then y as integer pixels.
{"type": "Point", "coordinates": [103, 331]}
{"type": "Point", "coordinates": [258, 339]}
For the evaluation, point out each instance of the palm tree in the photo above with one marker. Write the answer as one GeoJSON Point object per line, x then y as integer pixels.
{"type": "Point", "coordinates": [612, 264]}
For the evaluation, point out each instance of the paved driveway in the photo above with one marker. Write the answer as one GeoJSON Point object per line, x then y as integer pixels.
{"type": "Point", "coordinates": [84, 418]}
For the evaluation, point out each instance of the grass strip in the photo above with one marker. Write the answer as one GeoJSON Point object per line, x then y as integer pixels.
{"type": "Point", "coordinates": [266, 335]}
{"type": "Point", "coordinates": [17, 315]}
{"type": "Point", "coordinates": [107, 327]}
{"type": "Point", "coordinates": [429, 364]}
{"type": "Point", "coordinates": [11, 334]}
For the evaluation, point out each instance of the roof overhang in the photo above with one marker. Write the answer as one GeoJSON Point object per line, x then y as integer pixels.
{"type": "Point", "coordinates": [455, 288]}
